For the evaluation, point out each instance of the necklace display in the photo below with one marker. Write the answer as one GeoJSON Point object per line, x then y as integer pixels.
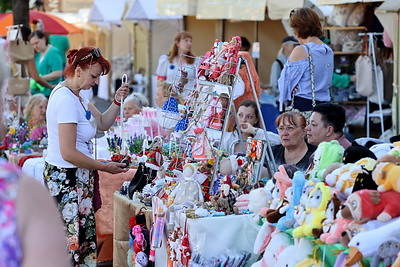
{"type": "Point", "coordinates": [88, 113]}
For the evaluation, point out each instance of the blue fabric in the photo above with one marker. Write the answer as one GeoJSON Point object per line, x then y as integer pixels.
{"type": "Point", "coordinates": [298, 73]}
{"type": "Point", "coordinates": [182, 124]}
{"type": "Point", "coordinates": [171, 105]}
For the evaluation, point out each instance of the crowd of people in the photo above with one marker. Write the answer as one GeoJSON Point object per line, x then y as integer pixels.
{"type": "Point", "coordinates": [301, 77]}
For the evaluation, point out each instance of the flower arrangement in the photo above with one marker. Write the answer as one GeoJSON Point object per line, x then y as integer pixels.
{"type": "Point", "coordinates": [114, 143]}
{"type": "Point", "coordinates": [135, 143]}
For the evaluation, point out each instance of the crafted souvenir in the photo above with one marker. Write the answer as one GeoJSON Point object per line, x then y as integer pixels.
{"type": "Point", "coordinates": [187, 188]}
{"type": "Point", "coordinates": [315, 210]}
{"type": "Point", "coordinates": [201, 150]}
{"type": "Point", "coordinates": [218, 112]}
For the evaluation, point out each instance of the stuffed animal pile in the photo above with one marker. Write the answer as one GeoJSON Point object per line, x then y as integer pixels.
{"type": "Point", "coordinates": [335, 212]}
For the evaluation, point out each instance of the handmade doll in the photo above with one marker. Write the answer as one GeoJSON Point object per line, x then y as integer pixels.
{"type": "Point", "coordinates": [183, 123]}
{"type": "Point", "coordinates": [201, 150]}
{"type": "Point", "coordinates": [187, 188]}
{"type": "Point", "coordinates": [219, 109]}
{"type": "Point", "coordinates": [315, 210]}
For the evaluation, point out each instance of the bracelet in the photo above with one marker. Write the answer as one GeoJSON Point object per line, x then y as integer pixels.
{"type": "Point", "coordinates": [116, 102]}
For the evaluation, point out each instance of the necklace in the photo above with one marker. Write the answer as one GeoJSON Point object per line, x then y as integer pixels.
{"type": "Point", "coordinates": [88, 113]}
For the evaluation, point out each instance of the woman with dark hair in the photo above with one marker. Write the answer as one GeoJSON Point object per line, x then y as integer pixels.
{"type": "Point", "coordinates": [310, 64]}
{"type": "Point", "coordinates": [69, 171]}
{"type": "Point", "coordinates": [248, 119]}
{"type": "Point", "coordinates": [48, 62]}
{"type": "Point", "coordinates": [293, 149]}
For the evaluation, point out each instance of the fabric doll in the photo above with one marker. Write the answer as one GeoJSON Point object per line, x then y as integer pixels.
{"type": "Point", "coordinates": [365, 244]}
{"type": "Point", "coordinates": [187, 188]}
{"type": "Point", "coordinates": [288, 221]}
{"type": "Point", "coordinates": [364, 207]}
{"type": "Point", "coordinates": [326, 153]}
{"type": "Point", "coordinates": [219, 109]}
{"type": "Point", "coordinates": [183, 123]}
{"type": "Point", "coordinates": [315, 210]}
{"type": "Point", "coordinates": [201, 150]}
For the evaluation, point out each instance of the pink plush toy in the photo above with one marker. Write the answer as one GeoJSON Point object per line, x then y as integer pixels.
{"type": "Point", "coordinates": [364, 208]}
{"type": "Point", "coordinates": [335, 232]}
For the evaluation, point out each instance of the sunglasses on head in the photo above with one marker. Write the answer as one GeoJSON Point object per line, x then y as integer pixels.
{"type": "Point", "coordinates": [96, 52]}
{"type": "Point", "coordinates": [292, 12]}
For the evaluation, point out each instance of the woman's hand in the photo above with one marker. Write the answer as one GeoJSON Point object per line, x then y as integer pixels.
{"type": "Point", "coordinates": [247, 128]}
{"type": "Point", "coordinates": [122, 92]}
{"type": "Point", "coordinates": [115, 167]}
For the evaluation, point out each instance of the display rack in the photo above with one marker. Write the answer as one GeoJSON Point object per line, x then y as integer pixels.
{"type": "Point", "coordinates": [198, 99]}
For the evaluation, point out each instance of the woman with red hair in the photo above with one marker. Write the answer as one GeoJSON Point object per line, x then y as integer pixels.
{"type": "Point", "coordinates": [69, 171]}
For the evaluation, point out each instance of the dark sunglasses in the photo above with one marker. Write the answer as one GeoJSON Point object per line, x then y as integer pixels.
{"type": "Point", "coordinates": [96, 52]}
{"type": "Point", "coordinates": [292, 12]}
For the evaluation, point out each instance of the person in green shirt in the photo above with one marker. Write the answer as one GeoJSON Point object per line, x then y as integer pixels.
{"type": "Point", "coordinates": [48, 62]}
{"type": "Point", "coordinates": [61, 42]}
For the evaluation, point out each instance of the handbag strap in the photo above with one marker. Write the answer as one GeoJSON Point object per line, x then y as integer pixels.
{"type": "Point", "coordinates": [310, 62]}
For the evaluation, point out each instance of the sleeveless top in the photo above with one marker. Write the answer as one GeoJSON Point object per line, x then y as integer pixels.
{"type": "Point", "coordinates": [10, 246]}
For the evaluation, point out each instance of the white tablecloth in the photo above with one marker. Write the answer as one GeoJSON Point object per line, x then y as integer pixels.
{"type": "Point", "coordinates": [215, 235]}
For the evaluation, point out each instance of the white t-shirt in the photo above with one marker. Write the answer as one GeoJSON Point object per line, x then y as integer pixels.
{"type": "Point", "coordinates": [65, 107]}
{"type": "Point", "coordinates": [172, 73]}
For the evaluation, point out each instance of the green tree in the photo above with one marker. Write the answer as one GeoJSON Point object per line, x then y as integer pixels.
{"type": "Point", "coordinates": [5, 6]}
{"type": "Point", "coordinates": [20, 9]}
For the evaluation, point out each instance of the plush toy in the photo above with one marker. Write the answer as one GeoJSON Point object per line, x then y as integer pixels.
{"type": "Point", "coordinates": [355, 152]}
{"type": "Point", "coordinates": [326, 153]}
{"type": "Point", "coordinates": [187, 188]}
{"type": "Point", "coordinates": [288, 220]}
{"type": "Point", "coordinates": [329, 221]}
{"type": "Point", "coordinates": [387, 252]}
{"type": "Point", "coordinates": [386, 175]}
{"type": "Point", "coordinates": [299, 214]}
{"type": "Point", "coordinates": [260, 197]}
{"type": "Point", "coordinates": [278, 195]}
{"type": "Point", "coordinates": [315, 210]}
{"type": "Point", "coordinates": [335, 232]}
{"type": "Point", "coordinates": [364, 207]}
{"type": "Point", "coordinates": [365, 244]}
{"type": "Point", "coordinates": [341, 179]}
{"type": "Point", "coordinates": [294, 254]}
{"type": "Point", "coordinates": [271, 243]}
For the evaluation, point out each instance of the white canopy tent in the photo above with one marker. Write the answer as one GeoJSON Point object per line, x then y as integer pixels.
{"type": "Point", "coordinates": [389, 15]}
{"type": "Point", "coordinates": [108, 14]}
{"type": "Point", "coordinates": [161, 30]}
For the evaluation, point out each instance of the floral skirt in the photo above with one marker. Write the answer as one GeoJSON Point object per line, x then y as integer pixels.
{"type": "Point", "coordinates": [73, 188]}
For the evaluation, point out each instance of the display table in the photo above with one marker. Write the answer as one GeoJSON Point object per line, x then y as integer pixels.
{"type": "Point", "coordinates": [124, 209]}
{"type": "Point", "coordinates": [15, 158]}
{"type": "Point", "coordinates": [215, 235]}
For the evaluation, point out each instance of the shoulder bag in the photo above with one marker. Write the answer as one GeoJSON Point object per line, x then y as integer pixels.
{"type": "Point", "coordinates": [20, 51]}
{"type": "Point", "coordinates": [307, 114]}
